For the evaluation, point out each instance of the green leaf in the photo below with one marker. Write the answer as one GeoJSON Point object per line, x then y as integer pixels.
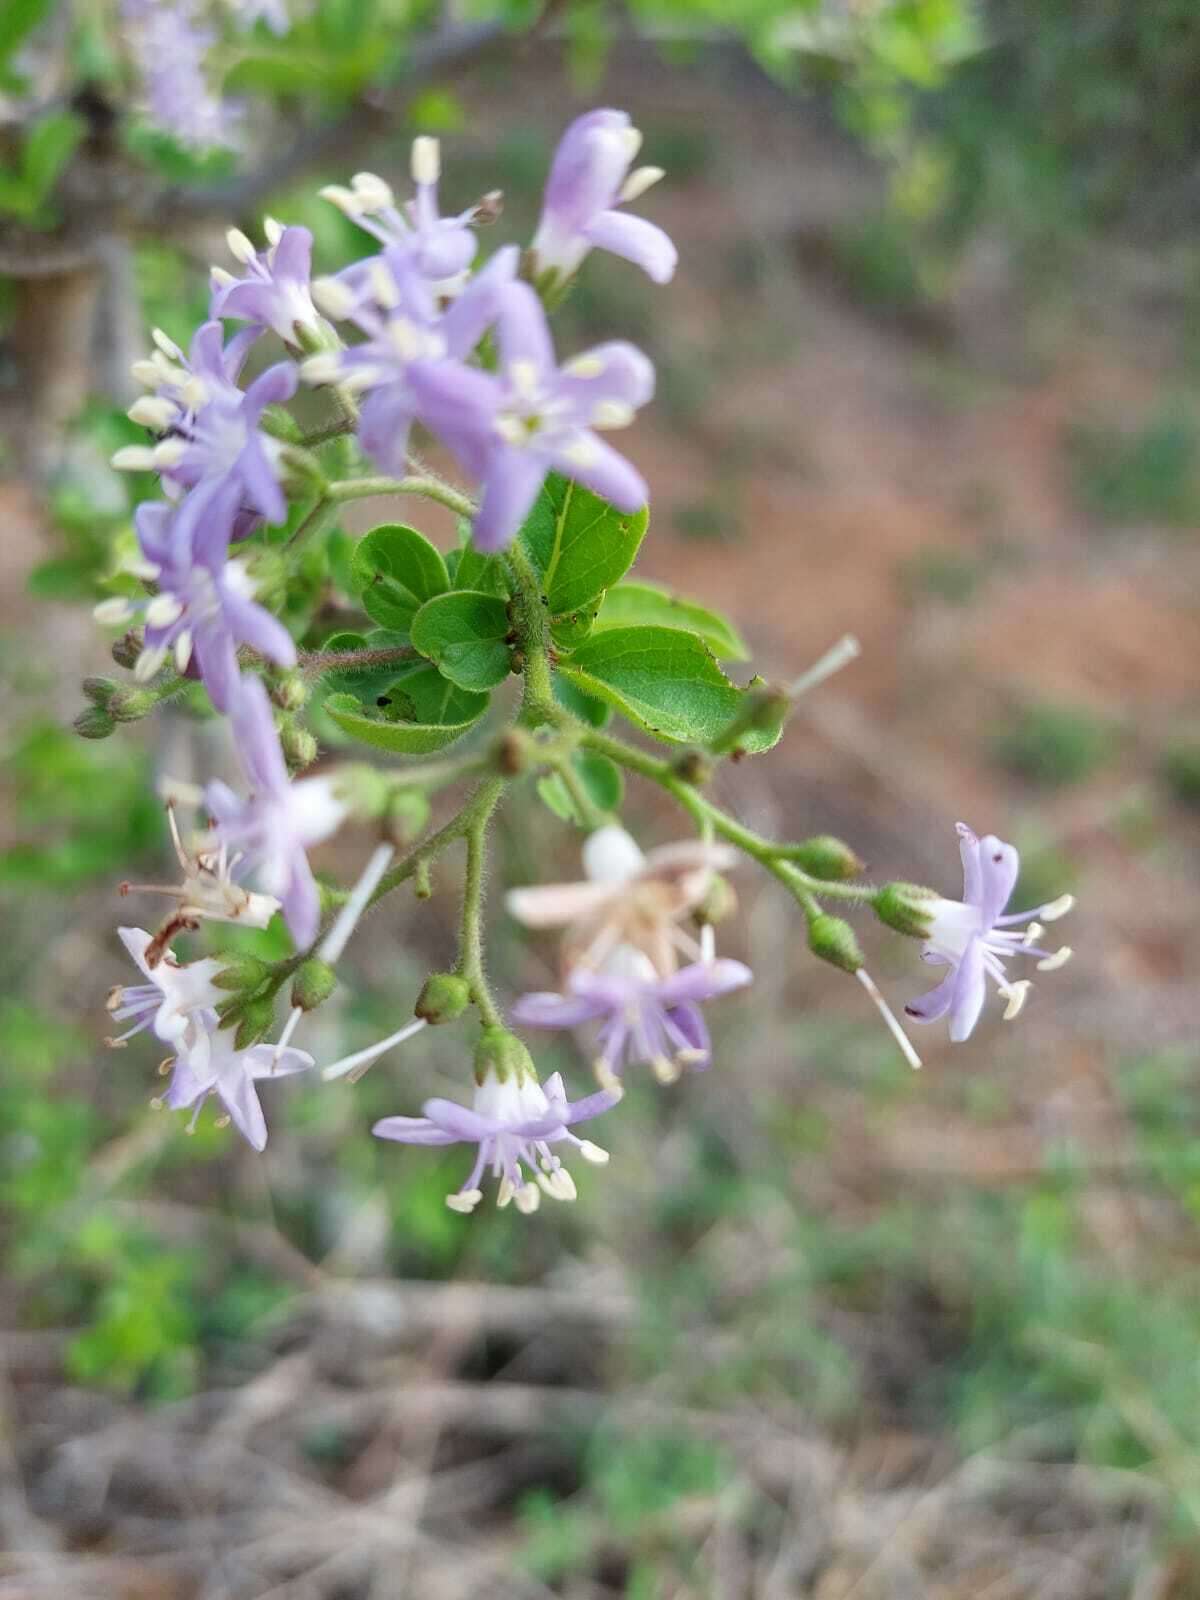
{"type": "Point", "coordinates": [470, 569]}
{"type": "Point", "coordinates": [584, 706]}
{"type": "Point", "coordinates": [17, 19]}
{"type": "Point", "coordinates": [396, 570]}
{"type": "Point", "coordinates": [664, 680]}
{"type": "Point", "coordinates": [642, 604]}
{"type": "Point", "coordinates": [49, 145]}
{"type": "Point", "coordinates": [463, 633]}
{"type": "Point", "coordinates": [579, 544]}
{"type": "Point", "coordinates": [599, 776]}
{"type": "Point", "coordinates": [425, 713]}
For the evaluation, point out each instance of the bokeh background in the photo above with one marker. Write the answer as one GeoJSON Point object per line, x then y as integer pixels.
{"type": "Point", "coordinates": [824, 1327]}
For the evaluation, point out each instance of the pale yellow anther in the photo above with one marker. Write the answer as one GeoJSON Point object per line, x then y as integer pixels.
{"type": "Point", "coordinates": [588, 365]}
{"type": "Point", "coordinates": [383, 285]}
{"type": "Point", "coordinates": [220, 277]}
{"type": "Point", "coordinates": [195, 393]}
{"type": "Point", "coordinates": [665, 1070]}
{"type": "Point", "coordinates": [223, 1121]}
{"type": "Point", "coordinates": [323, 368]}
{"type": "Point", "coordinates": [146, 372]}
{"type": "Point", "coordinates": [523, 375]}
{"type": "Point", "coordinates": [169, 454]}
{"type": "Point", "coordinates": [594, 1153]}
{"type": "Point", "coordinates": [607, 1078]}
{"type": "Point", "coordinates": [273, 230]}
{"type": "Point", "coordinates": [148, 663]}
{"type": "Point", "coordinates": [581, 453]}
{"type": "Point", "coordinates": [183, 650]}
{"type": "Point", "coordinates": [151, 411]}
{"type": "Point", "coordinates": [135, 458]}
{"type": "Point", "coordinates": [157, 1103]}
{"type": "Point", "coordinates": [371, 193]}
{"type": "Point", "coordinates": [240, 247]}
{"type": "Point", "coordinates": [631, 141]}
{"type": "Point", "coordinates": [638, 182]}
{"type": "Point", "coordinates": [332, 298]}
{"type": "Point", "coordinates": [1032, 933]}
{"type": "Point", "coordinates": [504, 1193]}
{"type": "Point", "coordinates": [1058, 959]}
{"type": "Point", "coordinates": [344, 199]}
{"type": "Point", "coordinates": [1016, 995]}
{"type": "Point", "coordinates": [163, 611]}
{"type": "Point", "coordinates": [1057, 908]}
{"type": "Point", "coordinates": [113, 611]}
{"type": "Point", "coordinates": [166, 345]}
{"type": "Point", "coordinates": [612, 414]}
{"type": "Point", "coordinates": [426, 160]}
{"type": "Point", "coordinates": [464, 1202]}
{"type": "Point", "coordinates": [528, 1198]}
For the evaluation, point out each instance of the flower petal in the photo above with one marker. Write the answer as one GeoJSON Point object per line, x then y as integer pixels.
{"type": "Point", "coordinates": [637, 240]}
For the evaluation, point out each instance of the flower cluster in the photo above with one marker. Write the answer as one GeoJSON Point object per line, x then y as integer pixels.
{"type": "Point", "coordinates": [421, 333]}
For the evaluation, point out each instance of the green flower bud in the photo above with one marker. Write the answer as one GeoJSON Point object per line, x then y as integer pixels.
{"type": "Point", "coordinates": [280, 424]}
{"type": "Point", "coordinates": [94, 722]}
{"type": "Point", "coordinates": [407, 814]}
{"type": "Point", "coordinates": [693, 767]}
{"type": "Point", "coordinates": [314, 982]}
{"type": "Point", "coordinates": [763, 711]}
{"type": "Point", "coordinates": [825, 857]}
{"type": "Point", "coordinates": [242, 972]}
{"type": "Point", "coordinates": [257, 1020]}
{"type": "Point", "coordinates": [131, 705]}
{"type": "Point", "coordinates": [99, 690]}
{"type": "Point", "coordinates": [291, 692]}
{"type": "Point", "coordinates": [126, 650]}
{"type": "Point", "coordinates": [834, 940]}
{"type": "Point", "coordinates": [301, 473]}
{"type": "Point", "coordinates": [444, 997]}
{"type": "Point", "coordinates": [907, 907]}
{"type": "Point", "coordinates": [503, 1054]}
{"type": "Point", "coordinates": [299, 745]}
{"type": "Point", "coordinates": [720, 902]}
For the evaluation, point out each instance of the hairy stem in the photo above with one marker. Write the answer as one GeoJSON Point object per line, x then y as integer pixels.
{"type": "Point", "coordinates": [532, 627]}
{"type": "Point", "coordinates": [478, 813]}
{"type": "Point", "coordinates": [315, 662]}
{"type": "Point", "coordinates": [431, 488]}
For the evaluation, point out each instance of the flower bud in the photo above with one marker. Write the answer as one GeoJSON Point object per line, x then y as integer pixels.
{"type": "Point", "coordinates": [131, 705]}
{"type": "Point", "coordinates": [502, 1053]}
{"type": "Point", "coordinates": [834, 940]}
{"type": "Point", "coordinates": [693, 767]}
{"type": "Point", "coordinates": [444, 997]}
{"type": "Point", "coordinates": [257, 1019]}
{"type": "Point", "coordinates": [719, 902]}
{"type": "Point", "coordinates": [314, 982]}
{"type": "Point", "coordinates": [299, 745]}
{"type": "Point", "coordinates": [907, 907]}
{"type": "Point", "coordinates": [280, 424]}
{"type": "Point", "coordinates": [763, 711]}
{"type": "Point", "coordinates": [301, 473]}
{"type": "Point", "coordinates": [291, 692]}
{"type": "Point", "coordinates": [825, 857]}
{"type": "Point", "coordinates": [242, 972]}
{"type": "Point", "coordinates": [127, 649]}
{"type": "Point", "coordinates": [99, 690]}
{"type": "Point", "coordinates": [94, 722]}
{"type": "Point", "coordinates": [407, 815]}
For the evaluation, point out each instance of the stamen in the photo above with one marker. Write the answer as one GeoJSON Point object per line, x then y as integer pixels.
{"type": "Point", "coordinates": [588, 365]}
{"type": "Point", "coordinates": [223, 1121]}
{"type": "Point", "coordinates": [333, 299]}
{"type": "Point", "coordinates": [528, 1198]}
{"type": "Point", "coordinates": [665, 1070]}
{"type": "Point", "coordinates": [273, 230]}
{"type": "Point", "coordinates": [289, 1029]}
{"type": "Point", "coordinates": [612, 414]}
{"type": "Point", "coordinates": [426, 161]}
{"type": "Point", "coordinates": [1058, 959]}
{"type": "Point", "coordinates": [638, 181]}
{"type": "Point", "coordinates": [152, 411]}
{"type": "Point", "coordinates": [383, 285]}
{"type": "Point", "coordinates": [504, 1193]}
{"type": "Point", "coordinates": [167, 346]}
{"type": "Point", "coordinates": [607, 1078]}
{"type": "Point", "coordinates": [114, 998]}
{"type": "Point", "coordinates": [465, 1200]}
{"type": "Point", "coordinates": [708, 944]}
{"type": "Point", "coordinates": [134, 458]}
{"type": "Point", "coordinates": [163, 610]}
{"type": "Point", "coordinates": [1057, 908]}
{"type": "Point", "coordinates": [594, 1153]}
{"type": "Point", "coordinates": [148, 663]}
{"type": "Point", "coordinates": [364, 1058]}
{"type": "Point", "coordinates": [326, 367]}
{"type": "Point", "coordinates": [371, 193]}
{"type": "Point", "coordinates": [240, 248]}
{"type": "Point", "coordinates": [893, 1025]}
{"type": "Point", "coordinates": [113, 611]}
{"type": "Point", "coordinates": [336, 939]}
{"type": "Point", "coordinates": [1016, 995]}
{"type": "Point", "coordinates": [847, 649]}
{"type": "Point", "coordinates": [164, 1067]}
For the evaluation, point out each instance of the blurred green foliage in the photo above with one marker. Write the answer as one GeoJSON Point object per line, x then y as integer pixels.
{"type": "Point", "coordinates": [1149, 474]}
{"type": "Point", "coordinates": [1055, 745]}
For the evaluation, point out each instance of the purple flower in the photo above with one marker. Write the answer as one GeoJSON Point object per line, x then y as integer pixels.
{"type": "Point", "coordinates": [213, 439]}
{"type": "Point", "coordinates": [215, 1066]}
{"type": "Point", "coordinates": [514, 1121]}
{"type": "Point", "coordinates": [973, 939]}
{"type": "Point", "coordinates": [405, 330]}
{"type": "Point", "coordinates": [509, 429]}
{"type": "Point", "coordinates": [274, 289]}
{"type": "Point", "coordinates": [587, 181]}
{"type": "Point", "coordinates": [643, 1017]}
{"type": "Point", "coordinates": [274, 828]}
{"type": "Point", "coordinates": [170, 48]}
{"type": "Point", "coordinates": [175, 1000]}
{"type": "Point", "coordinates": [204, 606]}
{"type": "Point", "coordinates": [439, 248]}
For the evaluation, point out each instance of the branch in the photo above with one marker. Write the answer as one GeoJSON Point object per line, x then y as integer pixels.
{"type": "Point", "coordinates": [338, 143]}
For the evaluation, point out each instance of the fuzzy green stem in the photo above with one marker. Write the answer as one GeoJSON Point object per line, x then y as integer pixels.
{"type": "Point", "coordinates": [470, 954]}
{"type": "Point", "coordinates": [430, 488]}
{"type": "Point", "coordinates": [532, 626]}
